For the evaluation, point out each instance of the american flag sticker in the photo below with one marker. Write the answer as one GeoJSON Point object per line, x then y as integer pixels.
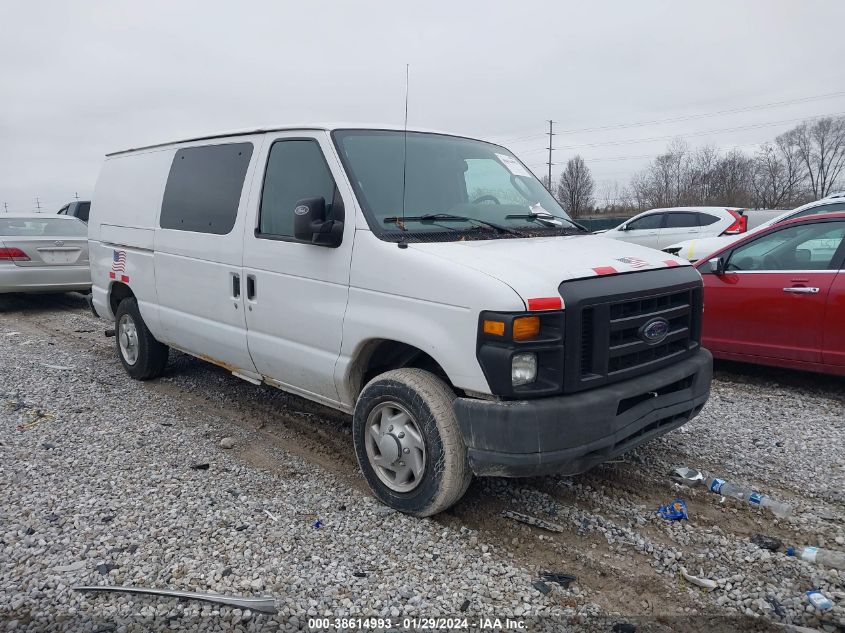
{"type": "Point", "coordinates": [633, 262]}
{"type": "Point", "coordinates": [118, 266]}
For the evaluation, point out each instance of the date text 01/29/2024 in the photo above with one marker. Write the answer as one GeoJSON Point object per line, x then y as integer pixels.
{"type": "Point", "coordinates": [414, 624]}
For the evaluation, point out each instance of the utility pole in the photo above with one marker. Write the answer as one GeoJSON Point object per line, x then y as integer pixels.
{"type": "Point", "coordinates": [551, 134]}
{"type": "Point", "coordinates": [38, 204]}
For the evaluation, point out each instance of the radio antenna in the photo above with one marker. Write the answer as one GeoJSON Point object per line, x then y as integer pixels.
{"type": "Point", "coordinates": [405, 146]}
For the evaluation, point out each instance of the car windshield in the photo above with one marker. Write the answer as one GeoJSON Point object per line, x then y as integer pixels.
{"type": "Point", "coordinates": [34, 227]}
{"type": "Point", "coordinates": [454, 188]}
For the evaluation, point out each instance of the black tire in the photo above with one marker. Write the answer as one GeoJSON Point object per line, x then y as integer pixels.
{"type": "Point", "coordinates": [152, 355]}
{"type": "Point", "coordinates": [429, 401]}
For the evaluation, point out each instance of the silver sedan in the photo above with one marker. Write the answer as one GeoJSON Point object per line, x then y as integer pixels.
{"type": "Point", "coordinates": [43, 253]}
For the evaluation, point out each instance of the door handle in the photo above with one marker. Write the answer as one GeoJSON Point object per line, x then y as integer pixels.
{"type": "Point", "coordinates": [802, 290]}
{"type": "Point", "coordinates": [250, 287]}
{"type": "Point", "coordinates": [236, 286]}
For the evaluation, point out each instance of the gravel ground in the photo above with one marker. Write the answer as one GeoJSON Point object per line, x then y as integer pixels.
{"type": "Point", "coordinates": [97, 486]}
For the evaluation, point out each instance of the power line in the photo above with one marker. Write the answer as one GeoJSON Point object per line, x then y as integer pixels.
{"type": "Point", "coordinates": [754, 126]}
{"type": "Point", "coordinates": [685, 117]}
{"type": "Point", "coordinates": [551, 134]}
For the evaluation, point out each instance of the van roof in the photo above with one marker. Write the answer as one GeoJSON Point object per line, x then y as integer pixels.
{"type": "Point", "coordinates": [328, 127]}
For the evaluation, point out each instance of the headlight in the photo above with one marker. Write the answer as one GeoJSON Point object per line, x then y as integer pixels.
{"type": "Point", "coordinates": [523, 368]}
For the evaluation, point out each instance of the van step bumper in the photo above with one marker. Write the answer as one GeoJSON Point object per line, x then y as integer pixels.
{"type": "Point", "coordinates": [570, 434]}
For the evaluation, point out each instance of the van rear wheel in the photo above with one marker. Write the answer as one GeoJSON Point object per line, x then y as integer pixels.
{"type": "Point", "coordinates": [408, 443]}
{"type": "Point", "coordinates": [141, 355]}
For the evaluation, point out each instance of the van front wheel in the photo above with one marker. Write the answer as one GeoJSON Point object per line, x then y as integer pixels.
{"type": "Point", "coordinates": [408, 443]}
{"type": "Point", "coordinates": [141, 355]}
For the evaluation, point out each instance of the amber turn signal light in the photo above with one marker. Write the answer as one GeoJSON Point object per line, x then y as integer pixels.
{"type": "Point", "coordinates": [525, 328]}
{"type": "Point", "coordinates": [496, 328]}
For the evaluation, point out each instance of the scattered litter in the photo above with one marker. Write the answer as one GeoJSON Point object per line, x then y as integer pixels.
{"type": "Point", "coordinates": [267, 512]}
{"type": "Point", "coordinates": [12, 333]}
{"type": "Point", "coordinates": [108, 518]}
{"type": "Point", "coordinates": [342, 508]}
{"type": "Point", "coordinates": [226, 572]}
{"type": "Point", "coordinates": [52, 517]}
{"type": "Point", "coordinates": [317, 524]}
{"type": "Point", "coordinates": [227, 442]}
{"type": "Point", "coordinates": [693, 477]}
{"type": "Point", "coordinates": [105, 568]}
{"type": "Point", "coordinates": [624, 627]}
{"type": "Point", "coordinates": [464, 605]}
{"type": "Point", "coordinates": [166, 423]}
{"type": "Point", "coordinates": [675, 511]}
{"type": "Point", "coordinates": [777, 607]}
{"type": "Point", "coordinates": [704, 583]}
{"type": "Point", "coordinates": [584, 527]}
{"type": "Point", "coordinates": [200, 466]}
{"type": "Point", "coordinates": [819, 600]}
{"type": "Point", "coordinates": [529, 520]}
{"type": "Point", "coordinates": [265, 604]}
{"type": "Point", "coordinates": [241, 528]}
{"type": "Point", "coordinates": [29, 531]}
{"type": "Point", "coordinates": [824, 557]}
{"type": "Point", "coordinates": [77, 566]}
{"type": "Point", "coordinates": [542, 587]}
{"type": "Point", "coordinates": [766, 542]}
{"type": "Point", "coordinates": [59, 367]}
{"type": "Point", "coordinates": [689, 476]}
{"type": "Point", "coordinates": [48, 446]}
{"type": "Point", "coordinates": [359, 574]}
{"type": "Point", "coordinates": [564, 580]}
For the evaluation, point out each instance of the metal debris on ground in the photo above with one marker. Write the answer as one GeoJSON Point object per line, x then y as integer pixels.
{"type": "Point", "coordinates": [265, 604]}
{"type": "Point", "coordinates": [529, 520]}
{"type": "Point", "coordinates": [542, 587]}
{"type": "Point", "coordinates": [675, 511]}
{"type": "Point", "coordinates": [766, 542]}
{"type": "Point", "coordinates": [564, 580]}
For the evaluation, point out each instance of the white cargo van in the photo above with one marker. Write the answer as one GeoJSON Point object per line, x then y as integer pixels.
{"type": "Point", "coordinates": [425, 283]}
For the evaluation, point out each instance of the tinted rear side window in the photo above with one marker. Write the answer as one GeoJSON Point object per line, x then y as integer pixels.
{"type": "Point", "coordinates": [681, 220]}
{"type": "Point", "coordinates": [204, 188]}
{"type": "Point", "coordinates": [705, 219]}
{"type": "Point", "coordinates": [83, 210]}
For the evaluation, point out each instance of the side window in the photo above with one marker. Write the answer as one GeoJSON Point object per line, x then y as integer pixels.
{"type": "Point", "coordinates": [204, 187]}
{"type": "Point", "coordinates": [652, 221]}
{"type": "Point", "coordinates": [63, 210]}
{"type": "Point", "coordinates": [820, 210]}
{"type": "Point", "coordinates": [296, 169]}
{"type": "Point", "coordinates": [681, 220]}
{"type": "Point", "coordinates": [83, 210]}
{"type": "Point", "coordinates": [803, 247]}
{"type": "Point", "coordinates": [705, 219]}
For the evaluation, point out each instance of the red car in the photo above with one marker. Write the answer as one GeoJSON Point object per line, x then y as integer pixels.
{"type": "Point", "coordinates": [777, 297]}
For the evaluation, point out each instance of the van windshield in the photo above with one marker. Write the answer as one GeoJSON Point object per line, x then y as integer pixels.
{"type": "Point", "coordinates": [454, 188]}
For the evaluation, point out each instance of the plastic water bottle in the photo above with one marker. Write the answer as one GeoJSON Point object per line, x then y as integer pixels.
{"type": "Point", "coordinates": [824, 557]}
{"type": "Point", "coordinates": [752, 497]}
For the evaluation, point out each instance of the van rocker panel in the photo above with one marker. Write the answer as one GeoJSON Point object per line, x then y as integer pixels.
{"type": "Point", "coordinates": [570, 434]}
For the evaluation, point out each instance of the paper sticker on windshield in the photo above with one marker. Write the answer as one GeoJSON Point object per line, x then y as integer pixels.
{"type": "Point", "coordinates": [513, 165]}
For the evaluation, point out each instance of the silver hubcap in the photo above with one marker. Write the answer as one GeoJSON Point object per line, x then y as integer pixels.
{"type": "Point", "coordinates": [395, 447]}
{"type": "Point", "coordinates": [127, 336]}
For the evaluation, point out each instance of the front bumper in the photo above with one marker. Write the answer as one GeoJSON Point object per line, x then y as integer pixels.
{"type": "Point", "coordinates": [570, 434]}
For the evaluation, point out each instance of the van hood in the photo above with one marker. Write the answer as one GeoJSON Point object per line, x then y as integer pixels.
{"type": "Point", "coordinates": [535, 267]}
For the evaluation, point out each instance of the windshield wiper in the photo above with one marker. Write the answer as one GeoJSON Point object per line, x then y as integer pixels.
{"type": "Point", "coordinates": [433, 217]}
{"type": "Point", "coordinates": [548, 219]}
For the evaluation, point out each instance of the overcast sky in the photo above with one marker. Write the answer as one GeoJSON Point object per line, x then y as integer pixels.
{"type": "Point", "coordinates": [80, 79]}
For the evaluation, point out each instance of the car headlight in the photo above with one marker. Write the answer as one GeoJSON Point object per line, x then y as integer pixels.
{"type": "Point", "coordinates": [523, 368]}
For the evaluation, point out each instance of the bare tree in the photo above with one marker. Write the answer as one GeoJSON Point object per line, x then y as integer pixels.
{"type": "Point", "coordinates": [821, 146]}
{"type": "Point", "coordinates": [575, 189]}
{"type": "Point", "coordinates": [778, 175]}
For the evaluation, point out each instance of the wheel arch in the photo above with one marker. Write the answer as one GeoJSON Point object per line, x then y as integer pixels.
{"type": "Point", "coordinates": [117, 293]}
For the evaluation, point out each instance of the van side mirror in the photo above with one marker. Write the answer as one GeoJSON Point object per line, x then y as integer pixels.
{"type": "Point", "coordinates": [310, 224]}
{"type": "Point", "coordinates": [717, 265]}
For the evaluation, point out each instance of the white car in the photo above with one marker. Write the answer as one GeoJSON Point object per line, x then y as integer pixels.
{"type": "Point", "coordinates": [426, 283]}
{"type": "Point", "coordinates": [695, 249]}
{"type": "Point", "coordinates": [43, 253]}
{"type": "Point", "coordinates": [658, 228]}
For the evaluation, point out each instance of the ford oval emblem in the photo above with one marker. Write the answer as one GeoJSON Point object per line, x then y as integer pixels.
{"type": "Point", "coordinates": [654, 331]}
{"type": "Point", "coordinates": [301, 210]}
